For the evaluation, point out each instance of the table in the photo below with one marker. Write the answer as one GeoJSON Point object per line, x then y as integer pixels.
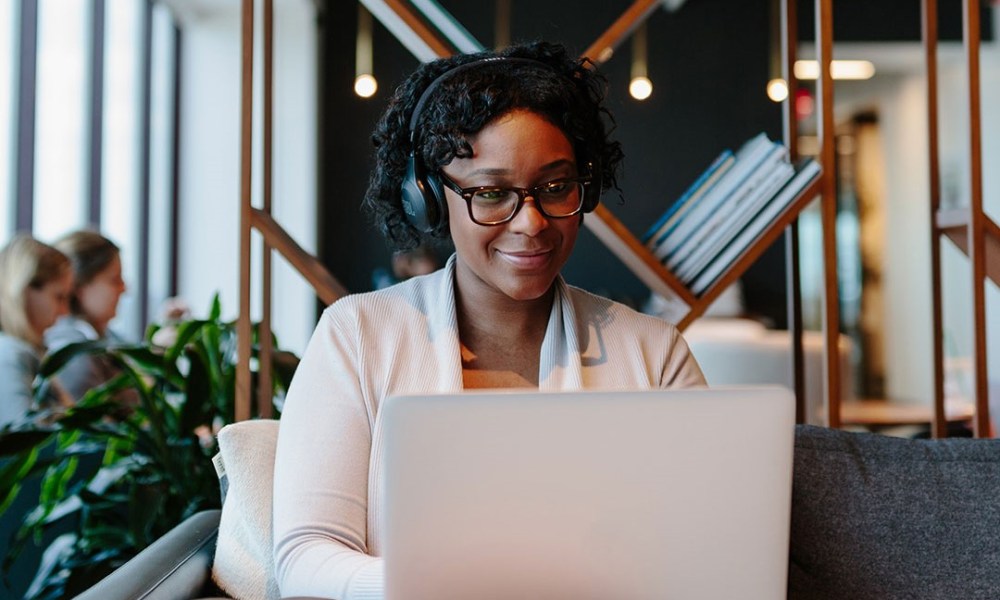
{"type": "Point", "coordinates": [873, 414]}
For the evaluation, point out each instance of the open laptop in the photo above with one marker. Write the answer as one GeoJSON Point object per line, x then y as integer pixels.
{"type": "Point", "coordinates": [573, 495]}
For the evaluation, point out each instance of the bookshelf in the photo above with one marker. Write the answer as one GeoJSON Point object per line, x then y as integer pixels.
{"type": "Point", "coordinates": [623, 244]}
{"type": "Point", "coordinates": [634, 254]}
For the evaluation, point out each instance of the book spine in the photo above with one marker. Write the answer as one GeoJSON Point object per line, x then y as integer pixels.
{"type": "Point", "coordinates": [703, 180]}
{"type": "Point", "coordinates": [691, 202]}
{"type": "Point", "coordinates": [804, 175]}
{"type": "Point", "coordinates": [732, 222]}
{"type": "Point", "coordinates": [733, 178]}
{"type": "Point", "coordinates": [735, 202]}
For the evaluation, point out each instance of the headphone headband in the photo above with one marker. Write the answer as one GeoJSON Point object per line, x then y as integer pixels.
{"type": "Point", "coordinates": [418, 109]}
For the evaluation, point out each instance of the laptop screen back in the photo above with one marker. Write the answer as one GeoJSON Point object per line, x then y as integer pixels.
{"type": "Point", "coordinates": [625, 495]}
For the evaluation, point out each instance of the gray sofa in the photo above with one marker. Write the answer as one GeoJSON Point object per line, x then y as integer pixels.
{"type": "Point", "coordinates": [176, 566]}
{"type": "Point", "coordinates": [872, 517]}
{"type": "Point", "coordinates": [883, 517]}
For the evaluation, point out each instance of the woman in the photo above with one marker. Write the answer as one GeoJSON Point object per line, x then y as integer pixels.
{"type": "Point", "coordinates": [501, 154]}
{"type": "Point", "coordinates": [98, 285]}
{"type": "Point", "coordinates": [35, 283]}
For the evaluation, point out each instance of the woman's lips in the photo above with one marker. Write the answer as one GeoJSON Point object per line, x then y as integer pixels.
{"type": "Point", "coordinates": [526, 259]}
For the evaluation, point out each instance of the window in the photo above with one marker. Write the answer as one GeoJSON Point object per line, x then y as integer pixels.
{"type": "Point", "coordinates": [161, 157]}
{"type": "Point", "coordinates": [92, 126]}
{"type": "Point", "coordinates": [122, 154]}
{"type": "Point", "coordinates": [8, 88]}
{"type": "Point", "coordinates": [61, 117]}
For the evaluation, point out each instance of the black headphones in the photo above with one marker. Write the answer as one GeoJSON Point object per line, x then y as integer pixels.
{"type": "Point", "coordinates": [422, 193]}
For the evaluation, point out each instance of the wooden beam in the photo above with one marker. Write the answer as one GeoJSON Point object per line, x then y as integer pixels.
{"type": "Point", "coordinates": [604, 47]}
{"type": "Point", "coordinates": [327, 287]}
{"type": "Point", "coordinates": [635, 255]}
{"type": "Point", "coordinates": [955, 225]}
{"type": "Point", "coordinates": [412, 22]}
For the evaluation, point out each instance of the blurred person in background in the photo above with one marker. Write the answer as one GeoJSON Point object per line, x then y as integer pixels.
{"type": "Point", "coordinates": [93, 303]}
{"type": "Point", "coordinates": [35, 285]}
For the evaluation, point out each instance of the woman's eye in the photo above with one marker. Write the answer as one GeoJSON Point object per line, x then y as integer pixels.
{"type": "Point", "coordinates": [492, 195]}
{"type": "Point", "coordinates": [556, 187]}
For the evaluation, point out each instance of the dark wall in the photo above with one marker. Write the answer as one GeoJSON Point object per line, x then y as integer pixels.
{"type": "Point", "coordinates": [889, 21]}
{"type": "Point", "coordinates": [709, 65]}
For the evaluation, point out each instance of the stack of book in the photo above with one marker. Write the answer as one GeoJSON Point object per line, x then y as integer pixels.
{"type": "Point", "coordinates": [720, 215]}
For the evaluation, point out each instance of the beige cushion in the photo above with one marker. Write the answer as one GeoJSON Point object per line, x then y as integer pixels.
{"type": "Point", "coordinates": [244, 563]}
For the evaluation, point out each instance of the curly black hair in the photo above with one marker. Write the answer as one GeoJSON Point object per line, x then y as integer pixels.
{"type": "Point", "coordinates": [566, 90]}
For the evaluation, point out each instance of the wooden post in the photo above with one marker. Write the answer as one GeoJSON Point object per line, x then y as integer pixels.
{"type": "Point", "coordinates": [929, 17]}
{"type": "Point", "coordinates": [265, 395]}
{"type": "Point", "coordinates": [243, 327]}
{"type": "Point", "coordinates": [789, 42]}
{"type": "Point", "coordinates": [977, 225]}
{"type": "Point", "coordinates": [828, 199]}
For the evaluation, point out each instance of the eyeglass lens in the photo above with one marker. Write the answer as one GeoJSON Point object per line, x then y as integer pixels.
{"type": "Point", "coordinates": [556, 199]}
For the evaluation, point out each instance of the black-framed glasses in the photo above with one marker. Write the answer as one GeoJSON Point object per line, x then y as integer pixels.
{"type": "Point", "coordinates": [493, 205]}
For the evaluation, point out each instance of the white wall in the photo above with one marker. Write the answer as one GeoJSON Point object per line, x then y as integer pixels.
{"type": "Point", "coordinates": [907, 310]}
{"type": "Point", "coordinates": [898, 94]}
{"type": "Point", "coordinates": [210, 154]}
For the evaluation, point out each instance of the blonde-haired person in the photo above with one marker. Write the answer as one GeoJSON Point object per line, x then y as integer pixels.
{"type": "Point", "coordinates": [93, 303]}
{"type": "Point", "coordinates": [35, 283]}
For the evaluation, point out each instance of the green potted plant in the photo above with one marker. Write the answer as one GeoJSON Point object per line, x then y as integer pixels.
{"type": "Point", "coordinates": [115, 472]}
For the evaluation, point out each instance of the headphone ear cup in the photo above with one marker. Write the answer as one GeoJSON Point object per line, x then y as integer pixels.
{"type": "Point", "coordinates": [592, 192]}
{"type": "Point", "coordinates": [434, 193]}
{"type": "Point", "coordinates": [421, 211]}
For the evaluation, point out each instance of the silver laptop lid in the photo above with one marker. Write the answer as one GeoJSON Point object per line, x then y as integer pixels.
{"type": "Point", "coordinates": [606, 495]}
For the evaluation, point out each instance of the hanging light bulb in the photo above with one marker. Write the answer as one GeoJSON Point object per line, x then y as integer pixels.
{"type": "Point", "coordinates": [777, 89]}
{"type": "Point", "coordinates": [640, 87]}
{"type": "Point", "coordinates": [501, 25]}
{"type": "Point", "coordinates": [365, 84]}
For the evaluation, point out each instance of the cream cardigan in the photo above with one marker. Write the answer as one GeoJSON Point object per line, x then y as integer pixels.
{"type": "Point", "coordinates": [404, 339]}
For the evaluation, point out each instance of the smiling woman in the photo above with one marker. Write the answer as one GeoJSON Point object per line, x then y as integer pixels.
{"type": "Point", "coordinates": [517, 258]}
{"type": "Point", "coordinates": [499, 155]}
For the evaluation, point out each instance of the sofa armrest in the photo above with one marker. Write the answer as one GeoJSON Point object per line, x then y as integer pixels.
{"type": "Point", "coordinates": [175, 567]}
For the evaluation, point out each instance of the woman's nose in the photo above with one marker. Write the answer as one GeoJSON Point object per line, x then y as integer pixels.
{"type": "Point", "coordinates": [529, 219]}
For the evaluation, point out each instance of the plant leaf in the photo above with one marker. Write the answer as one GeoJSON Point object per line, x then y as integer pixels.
{"type": "Point", "coordinates": [151, 360]}
{"type": "Point", "coordinates": [12, 474]}
{"type": "Point", "coordinates": [198, 403]}
{"type": "Point", "coordinates": [58, 359]}
{"type": "Point", "coordinates": [80, 417]}
{"type": "Point", "coordinates": [18, 440]}
{"type": "Point", "coordinates": [56, 479]}
{"type": "Point", "coordinates": [215, 311]}
{"type": "Point", "coordinates": [185, 331]}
